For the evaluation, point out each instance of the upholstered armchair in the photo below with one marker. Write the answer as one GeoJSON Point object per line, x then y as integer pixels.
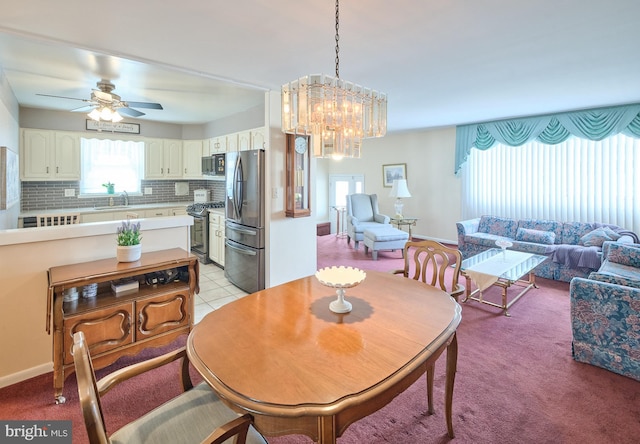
{"type": "Point", "coordinates": [362, 213]}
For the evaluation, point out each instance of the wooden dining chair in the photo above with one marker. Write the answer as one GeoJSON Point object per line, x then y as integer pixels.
{"type": "Point", "coordinates": [437, 265]}
{"type": "Point", "coordinates": [195, 416]}
{"type": "Point", "coordinates": [47, 220]}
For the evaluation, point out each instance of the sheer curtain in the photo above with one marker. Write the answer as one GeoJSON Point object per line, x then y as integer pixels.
{"type": "Point", "coordinates": [576, 180]}
{"type": "Point", "coordinates": [117, 161]}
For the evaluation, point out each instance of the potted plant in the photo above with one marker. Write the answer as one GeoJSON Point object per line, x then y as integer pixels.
{"type": "Point", "coordinates": [110, 186]}
{"type": "Point", "coordinates": [129, 247]}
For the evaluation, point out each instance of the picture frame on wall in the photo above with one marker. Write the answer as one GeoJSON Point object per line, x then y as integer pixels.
{"type": "Point", "coordinates": [393, 172]}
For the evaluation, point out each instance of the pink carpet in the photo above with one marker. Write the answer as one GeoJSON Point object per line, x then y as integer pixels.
{"type": "Point", "coordinates": [516, 381]}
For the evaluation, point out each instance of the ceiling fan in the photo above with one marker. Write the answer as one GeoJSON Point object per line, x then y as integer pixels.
{"type": "Point", "coordinates": [103, 97]}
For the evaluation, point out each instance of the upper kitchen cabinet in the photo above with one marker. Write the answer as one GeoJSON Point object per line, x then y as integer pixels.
{"type": "Point", "coordinates": [163, 159]}
{"type": "Point", "coordinates": [232, 143]}
{"type": "Point", "coordinates": [192, 153]}
{"type": "Point", "coordinates": [214, 145]}
{"type": "Point", "coordinates": [50, 155]}
{"type": "Point", "coordinates": [258, 138]}
{"type": "Point", "coordinates": [244, 141]}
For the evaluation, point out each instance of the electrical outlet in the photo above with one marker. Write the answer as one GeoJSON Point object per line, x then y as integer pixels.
{"type": "Point", "coordinates": [69, 192]}
{"type": "Point", "coordinates": [274, 193]}
{"type": "Point", "coordinates": [148, 190]}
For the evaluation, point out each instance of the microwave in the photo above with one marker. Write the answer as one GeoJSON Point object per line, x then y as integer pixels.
{"type": "Point", "coordinates": [213, 165]}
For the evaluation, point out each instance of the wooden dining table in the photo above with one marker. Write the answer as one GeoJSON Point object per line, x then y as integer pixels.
{"type": "Point", "coordinates": [283, 356]}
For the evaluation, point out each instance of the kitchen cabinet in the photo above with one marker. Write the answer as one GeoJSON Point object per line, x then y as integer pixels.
{"type": "Point", "coordinates": [232, 143]}
{"type": "Point", "coordinates": [258, 138]}
{"type": "Point", "coordinates": [192, 159]}
{"type": "Point", "coordinates": [216, 237]}
{"type": "Point", "coordinates": [244, 141]}
{"type": "Point", "coordinates": [158, 212]}
{"type": "Point", "coordinates": [163, 159]}
{"type": "Point", "coordinates": [214, 145]}
{"type": "Point", "coordinates": [50, 155]}
{"type": "Point", "coordinates": [115, 326]}
{"type": "Point", "coordinates": [180, 211]}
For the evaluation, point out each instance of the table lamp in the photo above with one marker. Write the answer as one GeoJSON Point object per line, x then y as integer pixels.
{"type": "Point", "coordinates": [399, 190]}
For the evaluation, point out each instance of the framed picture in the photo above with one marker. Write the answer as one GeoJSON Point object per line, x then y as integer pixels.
{"type": "Point", "coordinates": [393, 172]}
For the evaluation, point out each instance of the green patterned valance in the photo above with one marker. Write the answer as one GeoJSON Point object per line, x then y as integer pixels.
{"type": "Point", "coordinates": [595, 124]}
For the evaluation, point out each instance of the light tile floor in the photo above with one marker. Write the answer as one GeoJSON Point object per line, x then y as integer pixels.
{"type": "Point", "coordinates": [215, 291]}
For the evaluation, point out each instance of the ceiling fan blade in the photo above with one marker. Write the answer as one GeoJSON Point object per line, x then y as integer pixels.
{"type": "Point", "coordinates": [147, 105]}
{"type": "Point", "coordinates": [83, 109]}
{"type": "Point", "coordinates": [129, 112]}
{"type": "Point", "coordinates": [63, 97]}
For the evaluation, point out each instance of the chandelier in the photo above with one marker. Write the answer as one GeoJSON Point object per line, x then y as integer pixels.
{"type": "Point", "coordinates": [338, 114]}
{"type": "Point", "coordinates": [105, 113]}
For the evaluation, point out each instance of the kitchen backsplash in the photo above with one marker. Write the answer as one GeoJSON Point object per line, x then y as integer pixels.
{"type": "Point", "coordinates": [49, 195]}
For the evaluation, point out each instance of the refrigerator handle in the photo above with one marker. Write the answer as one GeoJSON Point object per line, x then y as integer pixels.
{"type": "Point", "coordinates": [237, 185]}
{"type": "Point", "coordinates": [240, 250]}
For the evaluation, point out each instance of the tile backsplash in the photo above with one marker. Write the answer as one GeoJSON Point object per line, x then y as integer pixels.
{"type": "Point", "coordinates": [50, 195]}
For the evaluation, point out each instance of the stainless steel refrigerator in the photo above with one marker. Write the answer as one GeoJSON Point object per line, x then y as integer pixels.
{"type": "Point", "coordinates": [244, 231]}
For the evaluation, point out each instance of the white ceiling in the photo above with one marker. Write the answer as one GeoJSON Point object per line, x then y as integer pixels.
{"type": "Point", "coordinates": [440, 62]}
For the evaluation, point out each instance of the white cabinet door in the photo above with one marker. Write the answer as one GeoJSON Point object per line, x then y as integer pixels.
{"type": "Point", "coordinates": [216, 238]}
{"type": "Point", "coordinates": [173, 159]}
{"type": "Point", "coordinates": [192, 159]}
{"type": "Point", "coordinates": [232, 143]}
{"type": "Point", "coordinates": [258, 139]}
{"type": "Point", "coordinates": [180, 211]}
{"type": "Point", "coordinates": [154, 159]}
{"type": "Point", "coordinates": [158, 212]}
{"type": "Point", "coordinates": [67, 156]}
{"type": "Point", "coordinates": [244, 141]}
{"type": "Point", "coordinates": [218, 145]}
{"type": "Point", "coordinates": [36, 153]}
{"type": "Point", "coordinates": [163, 159]}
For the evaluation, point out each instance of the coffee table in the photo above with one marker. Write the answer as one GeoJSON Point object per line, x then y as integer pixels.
{"type": "Point", "coordinates": [501, 268]}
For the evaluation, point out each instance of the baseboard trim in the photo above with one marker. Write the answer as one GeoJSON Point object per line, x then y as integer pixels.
{"type": "Point", "coordinates": [23, 375]}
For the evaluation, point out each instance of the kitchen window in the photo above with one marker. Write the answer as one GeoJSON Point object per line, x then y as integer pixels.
{"type": "Point", "coordinates": [120, 162]}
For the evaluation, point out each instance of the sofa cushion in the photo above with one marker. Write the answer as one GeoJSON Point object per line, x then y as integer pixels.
{"type": "Point", "coordinates": [500, 226]}
{"type": "Point", "coordinates": [599, 236]}
{"type": "Point", "coordinates": [543, 225]}
{"type": "Point", "coordinates": [625, 254]}
{"type": "Point", "coordinates": [573, 231]}
{"type": "Point", "coordinates": [484, 239]}
{"type": "Point", "coordinates": [535, 236]}
{"type": "Point", "coordinates": [615, 279]}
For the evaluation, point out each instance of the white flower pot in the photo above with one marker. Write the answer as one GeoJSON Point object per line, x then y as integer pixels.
{"type": "Point", "coordinates": [128, 253]}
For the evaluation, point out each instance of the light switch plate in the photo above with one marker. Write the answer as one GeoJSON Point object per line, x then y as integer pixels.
{"type": "Point", "coordinates": [148, 190]}
{"type": "Point", "coordinates": [69, 192]}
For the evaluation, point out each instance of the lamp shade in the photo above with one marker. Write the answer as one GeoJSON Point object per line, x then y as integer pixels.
{"type": "Point", "coordinates": [399, 189]}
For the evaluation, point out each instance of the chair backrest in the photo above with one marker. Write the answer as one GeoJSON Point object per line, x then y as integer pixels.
{"type": "Point", "coordinates": [88, 391]}
{"type": "Point", "coordinates": [362, 206]}
{"type": "Point", "coordinates": [434, 264]}
{"type": "Point", "coordinates": [46, 220]}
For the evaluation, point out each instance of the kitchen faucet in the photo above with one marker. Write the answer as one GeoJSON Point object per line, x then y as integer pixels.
{"type": "Point", "coordinates": [125, 197]}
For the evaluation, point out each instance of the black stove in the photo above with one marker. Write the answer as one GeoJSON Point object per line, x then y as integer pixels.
{"type": "Point", "coordinates": [200, 208]}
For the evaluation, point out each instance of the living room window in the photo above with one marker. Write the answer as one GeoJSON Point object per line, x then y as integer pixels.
{"type": "Point", "coordinates": [577, 180]}
{"type": "Point", "coordinates": [120, 162]}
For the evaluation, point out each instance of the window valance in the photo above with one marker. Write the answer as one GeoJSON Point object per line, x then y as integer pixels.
{"type": "Point", "coordinates": [594, 124]}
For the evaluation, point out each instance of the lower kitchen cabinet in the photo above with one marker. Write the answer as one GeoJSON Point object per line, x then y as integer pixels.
{"type": "Point", "coordinates": [153, 315]}
{"type": "Point", "coordinates": [216, 237]}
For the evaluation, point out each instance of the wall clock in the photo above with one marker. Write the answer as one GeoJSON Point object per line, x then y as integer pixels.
{"type": "Point", "coordinates": [298, 191]}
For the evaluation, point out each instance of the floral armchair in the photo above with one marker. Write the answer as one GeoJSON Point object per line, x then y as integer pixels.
{"type": "Point", "coordinates": [605, 312]}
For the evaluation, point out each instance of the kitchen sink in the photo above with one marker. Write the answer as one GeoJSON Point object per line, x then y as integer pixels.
{"type": "Point", "coordinates": [112, 207]}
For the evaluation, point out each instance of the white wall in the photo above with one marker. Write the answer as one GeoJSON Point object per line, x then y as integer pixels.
{"type": "Point", "coordinates": [10, 138]}
{"type": "Point", "coordinates": [435, 191]}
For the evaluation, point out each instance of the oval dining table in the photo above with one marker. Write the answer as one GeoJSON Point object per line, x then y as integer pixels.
{"type": "Point", "coordinates": [283, 356]}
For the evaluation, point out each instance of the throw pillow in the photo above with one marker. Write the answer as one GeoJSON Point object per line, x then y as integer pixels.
{"type": "Point", "coordinates": [598, 237]}
{"type": "Point", "coordinates": [536, 236]}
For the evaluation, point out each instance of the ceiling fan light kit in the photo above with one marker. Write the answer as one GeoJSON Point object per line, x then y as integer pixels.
{"type": "Point", "coordinates": [338, 114]}
{"type": "Point", "coordinates": [107, 106]}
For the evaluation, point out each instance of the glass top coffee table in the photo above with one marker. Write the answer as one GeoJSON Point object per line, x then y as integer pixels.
{"type": "Point", "coordinates": [502, 268]}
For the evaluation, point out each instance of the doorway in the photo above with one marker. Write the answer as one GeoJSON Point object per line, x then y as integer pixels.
{"type": "Point", "coordinates": [340, 186]}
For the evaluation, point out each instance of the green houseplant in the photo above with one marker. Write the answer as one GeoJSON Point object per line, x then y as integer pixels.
{"type": "Point", "coordinates": [110, 187]}
{"type": "Point", "coordinates": [129, 248]}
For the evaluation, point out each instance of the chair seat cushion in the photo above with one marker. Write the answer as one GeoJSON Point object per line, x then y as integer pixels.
{"type": "Point", "coordinates": [385, 234]}
{"type": "Point", "coordinates": [190, 417]}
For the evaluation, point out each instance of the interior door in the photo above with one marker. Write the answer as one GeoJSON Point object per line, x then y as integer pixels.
{"type": "Point", "coordinates": [340, 186]}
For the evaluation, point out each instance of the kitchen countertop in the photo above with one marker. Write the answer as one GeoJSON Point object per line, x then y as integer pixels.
{"type": "Point", "coordinates": [105, 209]}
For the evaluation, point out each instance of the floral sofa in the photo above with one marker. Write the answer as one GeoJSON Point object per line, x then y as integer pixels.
{"type": "Point", "coordinates": [605, 312]}
{"type": "Point", "coordinates": [574, 248]}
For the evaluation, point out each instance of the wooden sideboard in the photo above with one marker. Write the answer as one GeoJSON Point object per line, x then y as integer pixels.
{"type": "Point", "coordinates": [119, 325]}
